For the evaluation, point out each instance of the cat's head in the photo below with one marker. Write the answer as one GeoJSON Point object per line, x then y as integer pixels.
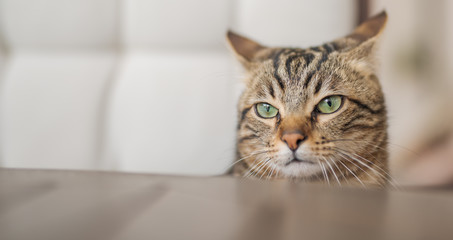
{"type": "Point", "coordinates": [312, 113]}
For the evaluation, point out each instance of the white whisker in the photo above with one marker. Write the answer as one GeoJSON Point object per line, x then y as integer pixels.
{"type": "Point", "coordinates": [358, 179]}
{"type": "Point", "coordinates": [377, 146]}
{"type": "Point", "coordinates": [336, 166]}
{"type": "Point", "coordinates": [324, 171]}
{"type": "Point", "coordinates": [251, 168]}
{"type": "Point", "coordinates": [255, 167]}
{"type": "Point", "coordinates": [389, 178]}
{"type": "Point", "coordinates": [333, 172]}
{"type": "Point", "coordinates": [268, 165]}
{"type": "Point", "coordinates": [271, 172]}
{"type": "Point", "coordinates": [366, 172]}
{"type": "Point", "coordinates": [261, 167]}
{"type": "Point", "coordinates": [251, 155]}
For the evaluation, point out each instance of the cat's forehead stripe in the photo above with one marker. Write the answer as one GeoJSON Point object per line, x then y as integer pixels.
{"type": "Point", "coordinates": [298, 67]}
{"type": "Point", "coordinates": [288, 62]}
{"type": "Point", "coordinates": [318, 86]}
{"type": "Point", "coordinates": [288, 56]}
{"type": "Point", "coordinates": [308, 78]}
{"type": "Point", "coordinates": [271, 89]}
{"type": "Point", "coordinates": [276, 63]}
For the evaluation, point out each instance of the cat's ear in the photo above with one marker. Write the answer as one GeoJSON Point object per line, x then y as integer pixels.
{"type": "Point", "coordinates": [361, 44]}
{"type": "Point", "coordinates": [370, 29]}
{"type": "Point", "coordinates": [244, 48]}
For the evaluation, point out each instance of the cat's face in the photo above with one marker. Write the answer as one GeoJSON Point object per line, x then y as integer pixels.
{"type": "Point", "coordinates": [314, 113]}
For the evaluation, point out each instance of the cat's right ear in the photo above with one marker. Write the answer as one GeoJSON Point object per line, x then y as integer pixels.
{"type": "Point", "coordinates": [244, 48]}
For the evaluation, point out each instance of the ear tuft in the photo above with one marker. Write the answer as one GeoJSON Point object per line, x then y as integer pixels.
{"type": "Point", "coordinates": [244, 48]}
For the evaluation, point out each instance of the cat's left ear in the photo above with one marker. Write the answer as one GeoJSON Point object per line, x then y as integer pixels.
{"type": "Point", "coordinates": [360, 46]}
{"type": "Point", "coordinates": [245, 49]}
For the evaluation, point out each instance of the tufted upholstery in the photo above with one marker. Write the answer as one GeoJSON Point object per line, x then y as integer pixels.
{"type": "Point", "coordinates": [136, 85]}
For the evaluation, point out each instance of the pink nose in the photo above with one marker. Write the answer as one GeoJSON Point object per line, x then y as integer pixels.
{"type": "Point", "coordinates": [293, 139]}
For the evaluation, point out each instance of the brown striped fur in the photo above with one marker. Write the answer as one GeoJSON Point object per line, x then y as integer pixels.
{"type": "Point", "coordinates": [348, 147]}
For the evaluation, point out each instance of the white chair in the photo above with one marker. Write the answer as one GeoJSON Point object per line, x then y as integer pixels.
{"type": "Point", "coordinates": [136, 85]}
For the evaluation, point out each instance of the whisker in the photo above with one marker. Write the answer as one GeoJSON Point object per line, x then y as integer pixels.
{"type": "Point", "coordinates": [272, 171]}
{"type": "Point", "coordinates": [336, 166]}
{"type": "Point", "coordinates": [251, 155]}
{"type": "Point", "coordinates": [387, 178]}
{"type": "Point", "coordinates": [268, 165]}
{"type": "Point", "coordinates": [324, 171]}
{"type": "Point", "coordinates": [319, 163]}
{"type": "Point", "coordinates": [255, 167]}
{"type": "Point", "coordinates": [364, 164]}
{"type": "Point", "coordinates": [260, 168]}
{"type": "Point", "coordinates": [374, 145]}
{"type": "Point", "coordinates": [363, 148]}
{"type": "Point", "coordinates": [334, 174]}
{"type": "Point", "coordinates": [251, 168]}
{"type": "Point", "coordinates": [366, 172]}
{"type": "Point", "coordinates": [358, 179]}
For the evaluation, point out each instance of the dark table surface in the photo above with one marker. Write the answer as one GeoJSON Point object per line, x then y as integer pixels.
{"type": "Point", "coordinates": [46, 204]}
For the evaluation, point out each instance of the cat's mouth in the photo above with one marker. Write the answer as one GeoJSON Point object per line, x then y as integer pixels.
{"type": "Point", "coordinates": [298, 161]}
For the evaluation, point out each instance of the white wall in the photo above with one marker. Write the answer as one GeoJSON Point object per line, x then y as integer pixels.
{"type": "Point", "coordinates": [416, 74]}
{"type": "Point", "coordinates": [137, 85]}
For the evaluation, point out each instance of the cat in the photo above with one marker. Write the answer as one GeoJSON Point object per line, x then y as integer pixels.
{"type": "Point", "coordinates": [315, 114]}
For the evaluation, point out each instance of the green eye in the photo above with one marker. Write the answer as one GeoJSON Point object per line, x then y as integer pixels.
{"type": "Point", "coordinates": [329, 104]}
{"type": "Point", "coordinates": [265, 110]}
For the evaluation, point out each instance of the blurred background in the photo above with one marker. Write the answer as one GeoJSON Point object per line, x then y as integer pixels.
{"type": "Point", "coordinates": [150, 86]}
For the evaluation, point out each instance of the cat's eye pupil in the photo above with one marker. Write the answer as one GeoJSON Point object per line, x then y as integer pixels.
{"type": "Point", "coordinates": [329, 102]}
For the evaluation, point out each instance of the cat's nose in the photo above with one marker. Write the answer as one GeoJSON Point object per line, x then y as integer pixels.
{"type": "Point", "coordinates": [293, 139]}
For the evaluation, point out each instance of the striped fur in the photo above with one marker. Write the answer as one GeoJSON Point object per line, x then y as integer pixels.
{"type": "Point", "coordinates": [348, 147]}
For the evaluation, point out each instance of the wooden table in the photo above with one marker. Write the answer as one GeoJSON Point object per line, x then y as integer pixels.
{"type": "Point", "coordinates": [44, 204]}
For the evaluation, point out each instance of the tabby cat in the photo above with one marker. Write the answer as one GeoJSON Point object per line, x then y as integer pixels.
{"type": "Point", "coordinates": [315, 114]}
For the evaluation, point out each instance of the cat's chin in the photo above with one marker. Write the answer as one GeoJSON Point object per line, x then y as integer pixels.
{"type": "Point", "coordinates": [298, 168]}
